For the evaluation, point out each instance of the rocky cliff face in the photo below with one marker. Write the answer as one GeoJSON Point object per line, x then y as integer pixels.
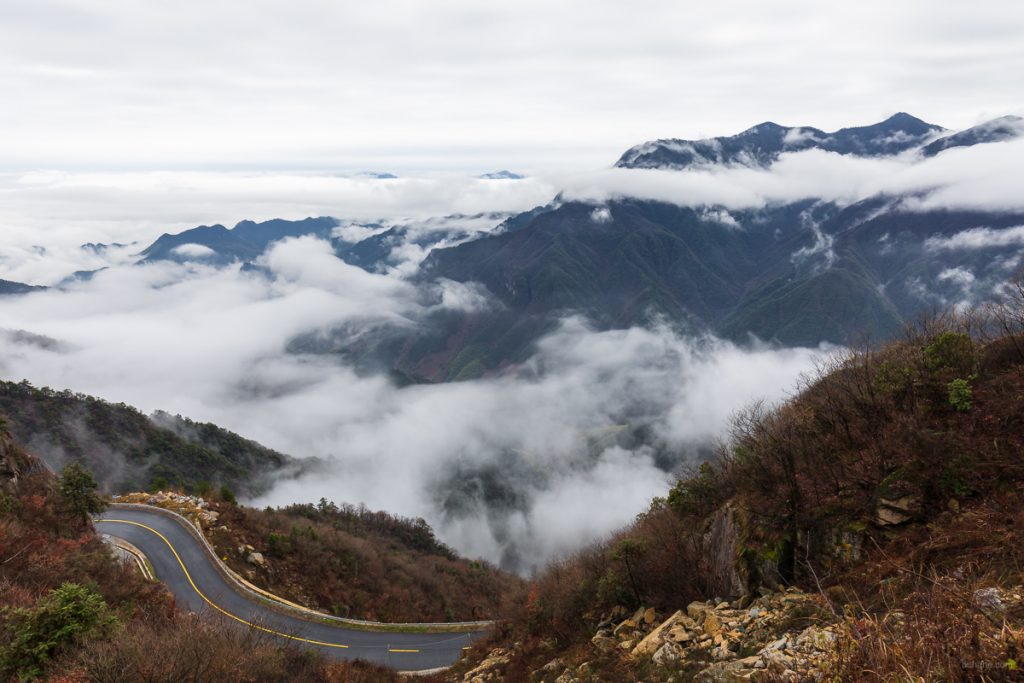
{"type": "Point", "coordinates": [14, 463]}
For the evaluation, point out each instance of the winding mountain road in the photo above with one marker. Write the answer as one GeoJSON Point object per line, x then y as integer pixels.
{"type": "Point", "coordinates": [184, 564]}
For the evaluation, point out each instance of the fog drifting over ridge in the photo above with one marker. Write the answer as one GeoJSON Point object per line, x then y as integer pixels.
{"type": "Point", "coordinates": [518, 468]}
{"type": "Point", "coordinates": [46, 216]}
{"type": "Point", "coordinates": [515, 469]}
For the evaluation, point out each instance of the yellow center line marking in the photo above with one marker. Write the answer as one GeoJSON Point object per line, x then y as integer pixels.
{"type": "Point", "coordinates": [394, 649]}
{"type": "Point", "coordinates": [218, 607]}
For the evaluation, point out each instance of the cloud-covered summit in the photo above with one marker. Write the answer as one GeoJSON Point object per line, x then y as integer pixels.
{"type": "Point", "coordinates": [762, 144]}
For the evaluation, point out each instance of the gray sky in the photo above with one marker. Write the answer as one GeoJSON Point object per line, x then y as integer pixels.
{"type": "Point", "coordinates": [442, 85]}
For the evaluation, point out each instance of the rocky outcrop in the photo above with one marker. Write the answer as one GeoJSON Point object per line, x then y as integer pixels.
{"type": "Point", "coordinates": [743, 640]}
{"type": "Point", "coordinates": [723, 549]}
{"type": "Point", "coordinates": [893, 511]}
{"type": "Point", "coordinates": [15, 464]}
{"type": "Point", "coordinates": [490, 669]}
{"type": "Point", "coordinates": [193, 508]}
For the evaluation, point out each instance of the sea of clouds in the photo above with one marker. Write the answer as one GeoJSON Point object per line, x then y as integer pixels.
{"type": "Point", "coordinates": [514, 469]}
{"type": "Point", "coordinates": [517, 468]}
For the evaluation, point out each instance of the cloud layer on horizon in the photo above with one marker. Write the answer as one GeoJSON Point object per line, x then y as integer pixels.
{"type": "Point", "coordinates": [979, 177]}
{"type": "Point", "coordinates": [47, 215]}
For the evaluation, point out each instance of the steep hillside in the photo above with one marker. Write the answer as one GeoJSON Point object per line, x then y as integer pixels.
{"type": "Point", "coordinates": [996, 130]}
{"type": "Point", "coordinates": [348, 561]}
{"type": "Point", "coordinates": [868, 529]}
{"type": "Point", "coordinates": [70, 612]}
{"type": "Point", "coordinates": [130, 451]}
{"type": "Point", "coordinates": [798, 274]}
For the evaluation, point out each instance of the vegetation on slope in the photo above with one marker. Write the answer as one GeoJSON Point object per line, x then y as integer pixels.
{"type": "Point", "coordinates": [70, 612]}
{"type": "Point", "coordinates": [349, 561]}
{"type": "Point", "coordinates": [127, 450]}
{"type": "Point", "coordinates": [892, 486]}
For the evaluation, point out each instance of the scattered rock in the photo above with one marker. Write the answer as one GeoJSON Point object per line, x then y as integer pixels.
{"type": "Point", "coordinates": [656, 638]}
{"type": "Point", "coordinates": [989, 600]}
{"type": "Point", "coordinates": [696, 610]}
{"type": "Point", "coordinates": [487, 670]}
{"type": "Point", "coordinates": [679, 634]}
{"type": "Point", "coordinates": [712, 626]}
{"type": "Point", "coordinates": [893, 511]}
{"type": "Point", "coordinates": [624, 625]}
{"type": "Point", "coordinates": [666, 654]}
{"type": "Point", "coordinates": [256, 559]}
{"type": "Point", "coordinates": [556, 664]}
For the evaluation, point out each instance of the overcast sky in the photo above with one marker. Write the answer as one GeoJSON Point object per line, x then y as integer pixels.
{"type": "Point", "coordinates": [415, 86]}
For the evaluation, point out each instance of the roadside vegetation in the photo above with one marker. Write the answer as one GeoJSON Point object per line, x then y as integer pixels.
{"type": "Point", "coordinates": [71, 613]}
{"type": "Point", "coordinates": [891, 487]}
{"type": "Point", "coordinates": [347, 561]}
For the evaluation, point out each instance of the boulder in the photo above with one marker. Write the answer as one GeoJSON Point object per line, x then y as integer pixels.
{"type": "Point", "coordinates": [256, 559]}
{"type": "Point", "coordinates": [679, 634]}
{"type": "Point", "coordinates": [666, 654]}
{"type": "Point", "coordinates": [712, 626]}
{"type": "Point", "coordinates": [728, 672]}
{"type": "Point", "coordinates": [603, 643]}
{"type": "Point", "coordinates": [485, 671]}
{"type": "Point", "coordinates": [649, 615]}
{"type": "Point", "coordinates": [627, 626]}
{"type": "Point", "coordinates": [556, 664]}
{"type": "Point", "coordinates": [656, 638]}
{"type": "Point", "coordinates": [695, 610]}
{"type": "Point", "coordinates": [893, 511]}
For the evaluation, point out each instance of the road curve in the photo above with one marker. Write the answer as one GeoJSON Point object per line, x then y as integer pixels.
{"type": "Point", "coordinates": [185, 566]}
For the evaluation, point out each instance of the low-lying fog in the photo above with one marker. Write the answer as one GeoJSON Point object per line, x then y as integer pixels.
{"type": "Point", "coordinates": [516, 469]}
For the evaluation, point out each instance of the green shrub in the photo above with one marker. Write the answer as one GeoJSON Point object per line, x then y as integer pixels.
{"type": "Point", "coordinates": [953, 350]}
{"type": "Point", "coordinates": [66, 615]}
{"type": "Point", "coordinates": [278, 545]}
{"type": "Point", "coordinates": [159, 483]}
{"type": "Point", "coordinates": [227, 495]}
{"type": "Point", "coordinates": [894, 378]}
{"type": "Point", "coordinates": [696, 495]}
{"type": "Point", "coordinates": [78, 491]}
{"type": "Point", "coordinates": [960, 393]}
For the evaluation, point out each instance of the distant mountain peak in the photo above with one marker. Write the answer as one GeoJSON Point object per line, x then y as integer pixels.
{"type": "Point", "coordinates": [995, 130]}
{"type": "Point", "coordinates": [377, 175]}
{"type": "Point", "coordinates": [501, 175]}
{"type": "Point", "coordinates": [903, 118]}
{"type": "Point", "coordinates": [762, 144]}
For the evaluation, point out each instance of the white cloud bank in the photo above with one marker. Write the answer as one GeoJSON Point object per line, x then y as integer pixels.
{"type": "Point", "coordinates": [210, 344]}
{"type": "Point", "coordinates": [979, 177]}
{"type": "Point", "coordinates": [46, 216]}
{"type": "Point", "coordinates": [978, 238]}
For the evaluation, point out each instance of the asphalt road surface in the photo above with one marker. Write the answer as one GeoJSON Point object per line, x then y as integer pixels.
{"type": "Point", "coordinates": [180, 561]}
